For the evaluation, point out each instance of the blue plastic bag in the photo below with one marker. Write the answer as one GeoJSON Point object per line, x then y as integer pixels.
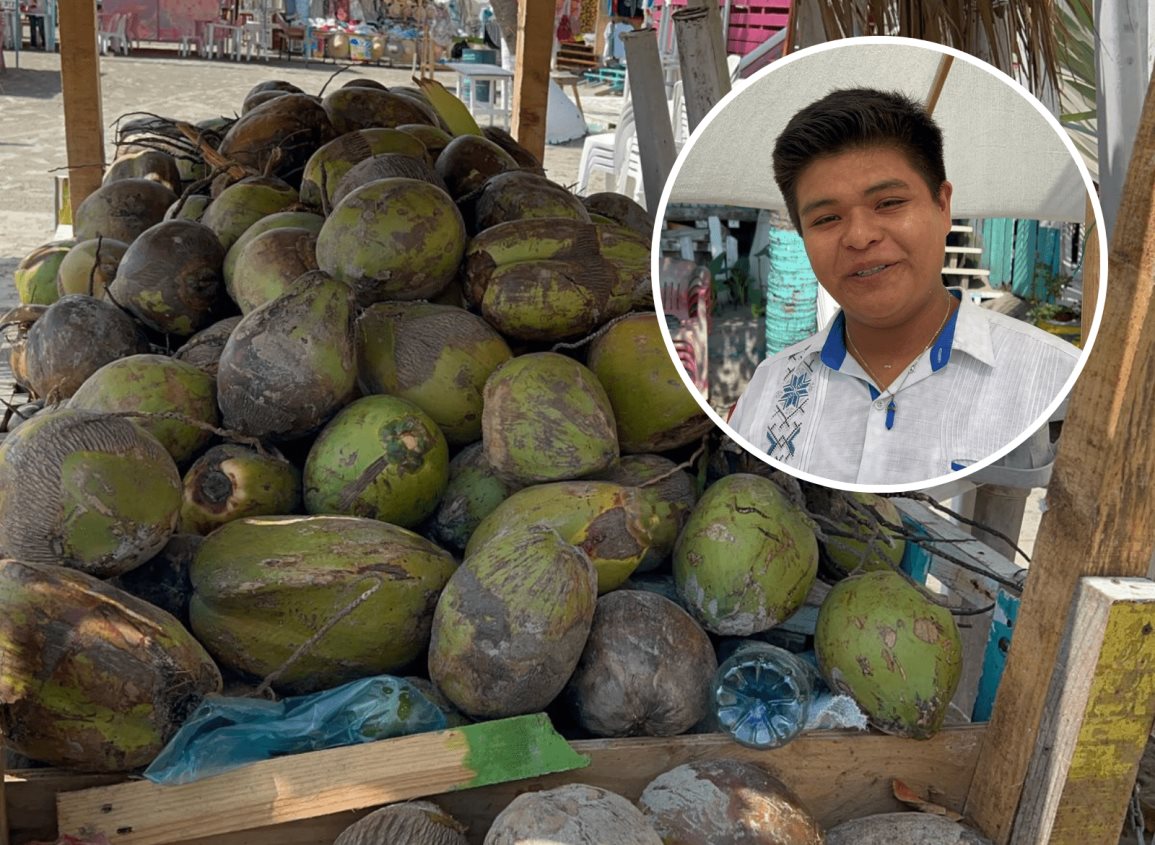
{"type": "Point", "coordinates": [224, 733]}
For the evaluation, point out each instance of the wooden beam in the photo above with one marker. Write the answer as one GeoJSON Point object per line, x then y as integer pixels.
{"type": "Point", "coordinates": [80, 84]}
{"type": "Point", "coordinates": [655, 133]}
{"type": "Point", "coordinates": [1097, 718]}
{"type": "Point", "coordinates": [717, 39]}
{"type": "Point", "coordinates": [838, 775]}
{"type": "Point", "coordinates": [1090, 274]}
{"type": "Point", "coordinates": [600, 24]}
{"type": "Point", "coordinates": [1100, 519]}
{"type": "Point", "coordinates": [702, 85]}
{"type": "Point", "coordinates": [534, 53]}
{"type": "Point", "coordinates": [319, 783]}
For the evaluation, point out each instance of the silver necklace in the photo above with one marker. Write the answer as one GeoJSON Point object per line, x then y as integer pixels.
{"type": "Point", "coordinates": [891, 405]}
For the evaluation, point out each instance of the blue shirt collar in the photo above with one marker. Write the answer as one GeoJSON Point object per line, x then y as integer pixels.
{"type": "Point", "coordinates": [834, 349]}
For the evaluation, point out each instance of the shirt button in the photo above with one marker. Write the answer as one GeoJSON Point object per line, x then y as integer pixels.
{"type": "Point", "coordinates": [880, 404]}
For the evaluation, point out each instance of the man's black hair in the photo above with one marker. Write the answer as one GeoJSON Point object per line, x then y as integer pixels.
{"type": "Point", "coordinates": [856, 118]}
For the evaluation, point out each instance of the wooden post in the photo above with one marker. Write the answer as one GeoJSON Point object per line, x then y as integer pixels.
{"type": "Point", "coordinates": [1090, 275]}
{"type": "Point", "coordinates": [534, 53]}
{"type": "Point", "coordinates": [717, 38]}
{"type": "Point", "coordinates": [80, 83]}
{"type": "Point", "coordinates": [3, 797]}
{"type": "Point", "coordinates": [1100, 520]}
{"type": "Point", "coordinates": [651, 115]}
{"type": "Point", "coordinates": [702, 85]}
{"type": "Point", "coordinates": [600, 28]}
{"type": "Point", "coordinates": [1097, 718]}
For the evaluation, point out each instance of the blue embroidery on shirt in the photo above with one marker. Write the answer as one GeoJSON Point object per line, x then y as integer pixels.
{"type": "Point", "coordinates": [796, 389]}
{"type": "Point", "coordinates": [789, 409]}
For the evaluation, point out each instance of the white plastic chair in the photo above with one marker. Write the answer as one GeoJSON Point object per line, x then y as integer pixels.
{"type": "Point", "coordinates": [600, 152]}
{"type": "Point", "coordinates": [115, 37]}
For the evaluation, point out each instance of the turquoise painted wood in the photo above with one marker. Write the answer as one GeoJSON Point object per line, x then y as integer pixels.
{"type": "Point", "coordinates": [915, 558]}
{"type": "Point", "coordinates": [998, 253]}
{"type": "Point", "coordinates": [995, 657]}
{"type": "Point", "coordinates": [1023, 276]}
{"type": "Point", "coordinates": [791, 292]}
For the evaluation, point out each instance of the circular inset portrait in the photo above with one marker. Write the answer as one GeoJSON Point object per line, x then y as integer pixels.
{"type": "Point", "coordinates": [870, 259]}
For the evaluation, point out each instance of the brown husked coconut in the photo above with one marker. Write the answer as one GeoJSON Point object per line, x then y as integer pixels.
{"type": "Point", "coordinates": [163, 579]}
{"type": "Point", "coordinates": [621, 210]}
{"type": "Point", "coordinates": [574, 814]}
{"type": "Point", "coordinates": [14, 326]}
{"type": "Point", "coordinates": [332, 162]}
{"type": "Point", "coordinates": [90, 491]}
{"type": "Point", "coordinates": [900, 828]}
{"type": "Point", "coordinates": [192, 207]}
{"type": "Point", "coordinates": [279, 134]}
{"type": "Point", "coordinates": [434, 138]}
{"type": "Point", "coordinates": [73, 339]}
{"type": "Point", "coordinates": [412, 823]}
{"type": "Point", "coordinates": [468, 161]}
{"type": "Point", "coordinates": [93, 679]}
{"type": "Point", "coordinates": [258, 98]}
{"type": "Point", "coordinates": [646, 670]}
{"type": "Point", "coordinates": [90, 266]}
{"type": "Point", "coordinates": [507, 142]}
{"type": "Point", "coordinates": [358, 107]}
{"type": "Point", "coordinates": [729, 802]}
{"type": "Point", "coordinates": [121, 210]}
{"type": "Point", "coordinates": [146, 164]}
{"type": "Point", "coordinates": [521, 195]}
{"type": "Point", "coordinates": [170, 278]}
{"type": "Point", "coordinates": [203, 349]}
{"type": "Point", "coordinates": [274, 85]}
{"type": "Point", "coordinates": [269, 264]}
{"type": "Point", "coordinates": [365, 83]}
{"type": "Point", "coordinates": [385, 166]}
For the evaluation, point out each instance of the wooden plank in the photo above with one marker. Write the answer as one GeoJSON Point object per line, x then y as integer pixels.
{"type": "Point", "coordinates": [80, 85]}
{"type": "Point", "coordinates": [1097, 718]}
{"type": "Point", "coordinates": [535, 36]}
{"type": "Point", "coordinates": [31, 800]}
{"type": "Point", "coordinates": [319, 783]}
{"type": "Point", "coordinates": [702, 84]}
{"type": "Point", "coordinates": [1098, 521]}
{"type": "Point", "coordinates": [717, 41]}
{"type": "Point", "coordinates": [655, 133]}
{"type": "Point", "coordinates": [837, 774]}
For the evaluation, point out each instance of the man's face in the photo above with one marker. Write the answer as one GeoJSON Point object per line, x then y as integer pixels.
{"type": "Point", "coordinates": [875, 235]}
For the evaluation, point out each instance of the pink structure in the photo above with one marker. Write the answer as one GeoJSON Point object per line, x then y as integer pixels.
{"type": "Point", "coordinates": [752, 22]}
{"type": "Point", "coordinates": [164, 20]}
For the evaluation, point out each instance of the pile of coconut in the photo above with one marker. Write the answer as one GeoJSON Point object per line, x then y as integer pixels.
{"type": "Point", "coordinates": [347, 387]}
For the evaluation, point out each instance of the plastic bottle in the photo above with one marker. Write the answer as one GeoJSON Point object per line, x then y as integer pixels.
{"type": "Point", "coordinates": [762, 695]}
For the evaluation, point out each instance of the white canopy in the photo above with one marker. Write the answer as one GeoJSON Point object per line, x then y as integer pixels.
{"type": "Point", "coordinates": [1003, 156]}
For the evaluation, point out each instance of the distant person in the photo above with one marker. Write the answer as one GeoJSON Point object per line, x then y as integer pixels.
{"type": "Point", "coordinates": [910, 381]}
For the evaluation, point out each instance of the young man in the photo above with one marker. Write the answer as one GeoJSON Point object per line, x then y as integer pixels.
{"type": "Point", "coordinates": [910, 381]}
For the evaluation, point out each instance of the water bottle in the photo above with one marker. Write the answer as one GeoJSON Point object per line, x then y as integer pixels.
{"type": "Point", "coordinates": [762, 695]}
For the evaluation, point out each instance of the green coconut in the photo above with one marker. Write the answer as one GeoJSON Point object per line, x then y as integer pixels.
{"type": "Point", "coordinates": [89, 267]}
{"type": "Point", "coordinates": [547, 418]}
{"type": "Point", "coordinates": [672, 498]}
{"type": "Point", "coordinates": [747, 557]}
{"type": "Point", "coordinates": [230, 482]}
{"type": "Point", "coordinates": [622, 210]}
{"type": "Point", "coordinates": [883, 641]}
{"type": "Point", "coordinates": [434, 138]}
{"type": "Point", "coordinates": [393, 239]}
{"type": "Point", "coordinates": [269, 264]}
{"type": "Point", "coordinates": [74, 338]}
{"type": "Point", "coordinates": [156, 384]}
{"type": "Point", "coordinates": [521, 195]}
{"type": "Point", "coordinates": [86, 490]}
{"type": "Point", "coordinates": [170, 277]}
{"type": "Point", "coordinates": [93, 679]}
{"type": "Point", "coordinates": [35, 275]}
{"type": "Point", "coordinates": [289, 365]}
{"type": "Point", "coordinates": [146, 164]}
{"type": "Point", "coordinates": [468, 161]}
{"type": "Point", "coordinates": [654, 410]}
{"type": "Point", "coordinates": [356, 107]}
{"type": "Point", "coordinates": [873, 547]}
{"type": "Point", "coordinates": [436, 356]}
{"type": "Point", "coordinates": [333, 160]}
{"type": "Point", "coordinates": [242, 204]}
{"type": "Point", "coordinates": [263, 586]}
{"type": "Point", "coordinates": [203, 350]}
{"type": "Point", "coordinates": [279, 220]}
{"type": "Point", "coordinates": [385, 166]}
{"type": "Point", "coordinates": [473, 492]}
{"type": "Point", "coordinates": [381, 457]}
{"type": "Point", "coordinates": [278, 137]}
{"type": "Point", "coordinates": [121, 210]}
{"type": "Point", "coordinates": [548, 300]}
{"type": "Point", "coordinates": [511, 624]}
{"type": "Point", "coordinates": [612, 524]}
{"type": "Point", "coordinates": [191, 208]}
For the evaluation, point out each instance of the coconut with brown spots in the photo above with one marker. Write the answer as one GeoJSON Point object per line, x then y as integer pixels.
{"type": "Point", "coordinates": [269, 264]}
{"type": "Point", "coordinates": [89, 267]}
{"type": "Point", "coordinates": [434, 138]}
{"type": "Point", "coordinates": [507, 142]}
{"type": "Point", "coordinates": [896, 828]}
{"type": "Point", "coordinates": [262, 586]}
{"type": "Point", "coordinates": [357, 107]}
{"type": "Point", "coordinates": [121, 210]}
{"type": "Point", "coordinates": [646, 670]}
{"type": "Point", "coordinates": [203, 349]}
{"type": "Point", "coordinates": [575, 814]}
{"type": "Point", "coordinates": [859, 541]}
{"type": "Point", "coordinates": [521, 195]}
{"type": "Point", "coordinates": [511, 624]}
{"type": "Point", "coordinates": [231, 481]}
{"type": "Point", "coordinates": [610, 523]}
{"type": "Point", "coordinates": [333, 161]}
{"type": "Point", "coordinates": [242, 204]}
{"type": "Point", "coordinates": [93, 679]}
{"type": "Point", "coordinates": [385, 166]}
{"type": "Point", "coordinates": [546, 418]}
{"type": "Point", "coordinates": [412, 823]}
{"type": "Point", "coordinates": [146, 164]}
{"type": "Point", "coordinates": [882, 641]}
{"type": "Point", "coordinates": [278, 136]}
{"type": "Point", "coordinates": [436, 356]}
{"type": "Point", "coordinates": [474, 491]}
{"type": "Point", "coordinates": [468, 161]}
{"type": "Point", "coordinates": [163, 580]}
{"type": "Point", "coordinates": [747, 557]}
{"type": "Point", "coordinates": [278, 220]}
{"type": "Point", "coordinates": [35, 275]}
{"type": "Point", "coordinates": [622, 210]}
{"type": "Point", "coordinates": [728, 802]}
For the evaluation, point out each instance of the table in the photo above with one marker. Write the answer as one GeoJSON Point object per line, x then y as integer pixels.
{"type": "Point", "coordinates": [232, 32]}
{"type": "Point", "coordinates": [498, 76]}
